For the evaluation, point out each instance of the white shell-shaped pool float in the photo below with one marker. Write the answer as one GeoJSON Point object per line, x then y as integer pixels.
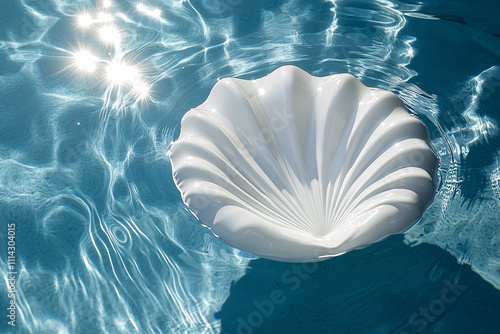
{"type": "Point", "coordinates": [298, 168]}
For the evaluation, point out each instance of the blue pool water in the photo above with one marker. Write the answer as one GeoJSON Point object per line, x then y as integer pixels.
{"type": "Point", "coordinates": [91, 97]}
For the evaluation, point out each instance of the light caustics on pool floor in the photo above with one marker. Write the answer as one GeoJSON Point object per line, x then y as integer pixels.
{"type": "Point", "coordinates": [94, 95]}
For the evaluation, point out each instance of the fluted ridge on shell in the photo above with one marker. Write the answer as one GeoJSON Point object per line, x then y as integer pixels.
{"type": "Point", "coordinates": [297, 167]}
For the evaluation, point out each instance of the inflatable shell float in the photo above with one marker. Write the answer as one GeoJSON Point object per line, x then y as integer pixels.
{"type": "Point", "coordinates": [300, 168]}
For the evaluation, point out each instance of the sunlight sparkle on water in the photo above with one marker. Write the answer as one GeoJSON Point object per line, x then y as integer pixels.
{"type": "Point", "coordinates": [119, 73]}
{"type": "Point", "coordinates": [85, 61]}
{"type": "Point", "coordinates": [141, 90]}
{"type": "Point", "coordinates": [155, 13]}
{"type": "Point", "coordinates": [109, 34]}
{"type": "Point", "coordinates": [84, 20]}
{"type": "Point", "coordinates": [105, 17]}
{"type": "Point", "coordinates": [141, 7]}
{"type": "Point", "coordinates": [125, 78]}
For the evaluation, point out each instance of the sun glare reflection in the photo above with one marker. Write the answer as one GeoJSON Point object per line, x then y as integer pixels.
{"type": "Point", "coordinates": [122, 78]}
{"type": "Point", "coordinates": [104, 17]}
{"type": "Point", "coordinates": [154, 13]}
{"type": "Point", "coordinates": [84, 20]}
{"type": "Point", "coordinates": [141, 90]}
{"type": "Point", "coordinates": [109, 34]}
{"type": "Point", "coordinates": [85, 61]}
{"type": "Point", "coordinates": [119, 73]}
{"type": "Point", "coordinates": [122, 75]}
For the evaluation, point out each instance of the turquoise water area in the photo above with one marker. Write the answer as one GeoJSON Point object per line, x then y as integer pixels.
{"type": "Point", "coordinates": [92, 94]}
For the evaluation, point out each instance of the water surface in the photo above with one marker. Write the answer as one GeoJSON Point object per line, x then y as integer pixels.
{"type": "Point", "coordinates": [92, 94]}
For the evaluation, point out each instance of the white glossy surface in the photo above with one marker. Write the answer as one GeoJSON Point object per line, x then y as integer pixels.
{"type": "Point", "coordinates": [295, 167]}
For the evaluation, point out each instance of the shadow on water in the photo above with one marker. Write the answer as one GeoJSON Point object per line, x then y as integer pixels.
{"type": "Point", "coordinates": [385, 288]}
